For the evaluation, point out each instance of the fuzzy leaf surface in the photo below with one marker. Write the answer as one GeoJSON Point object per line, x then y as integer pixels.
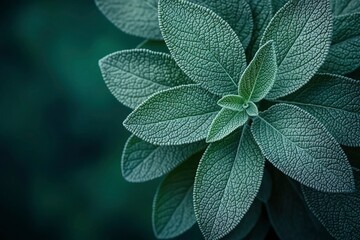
{"type": "Point", "coordinates": [225, 122]}
{"type": "Point", "coordinates": [301, 32]}
{"type": "Point", "coordinates": [135, 17]}
{"type": "Point", "coordinates": [134, 75]}
{"type": "Point", "coordinates": [143, 161]}
{"type": "Point", "coordinates": [173, 210]}
{"type": "Point", "coordinates": [203, 45]}
{"type": "Point", "coordinates": [339, 213]}
{"type": "Point", "coordinates": [300, 146]}
{"type": "Point", "coordinates": [259, 76]}
{"type": "Point", "coordinates": [344, 54]}
{"type": "Point", "coordinates": [335, 102]}
{"type": "Point", "coordinates": [343, 7]}
{"type": "Point", "coordinates": [277, 4]}
{"type": "Point", "coordinates": [227, 181]}
{"type": "Point", "coordinates": [232, 102]}
{"type": "Point", "coordinates": [173, 117]}
{"type": "Point", "coordinates": [252, 109]}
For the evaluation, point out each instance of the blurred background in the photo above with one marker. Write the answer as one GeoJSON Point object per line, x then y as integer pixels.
{"type": "Point", "coordinates": [61, 130]}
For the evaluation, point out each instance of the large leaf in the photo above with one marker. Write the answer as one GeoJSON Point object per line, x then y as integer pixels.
{"type": "Point", "coordinates": [299, 145]}
{"type": "Point", "coordinates": [335, 102]}
{"type": "Point", "coordinates": [344, 54]}
{"type": "Point", "coordinates": [277, 4]}
{"type": "Point", "coordinates": [342, 7]}
{"type": "Point", "coordinates": [173, 117]}
{"type": "Point", "coordinates": [134, 75]}
{"type": "Point", "coordinates": [259, 76]}
{"type": "Point", "coordinates": [225, 122]}
{"type": "Point", "coordinates": [301, 31]}
{"type": "Point", "coordinates": [227, 181]}
{"type": "Point", "coordinates": [136, 17]}
{"type": "Point", "coordinates": [142, 161]}
{"type": "Point", "coordinates": [289, 215]}
{"type": "Point", "coordinates": [261, 13]}
{"type": "Point", "coordinates": [173, 210]}
{"type": "Point", "coordinates": [339, 213]}
{"type": "Point", "coordinates": [203, 45]}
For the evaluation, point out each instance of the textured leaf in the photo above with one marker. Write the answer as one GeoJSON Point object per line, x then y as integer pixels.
{"type": "Point", "coordinates": [277, 4]}
{"type": "Point", "coordinates": [232, 102]}
{"type": "Point", "coordinates": [173, 117]}
{"type": "Point", "coordinates": [335, 102]}
{"type": "Point", "coordinates": [260, 230]}
{"type": "Point", "coordinates": [259, 76]}
{"type": "Point", "coordinates": [344, 54]}
{"type": "Point", "coordinates": [142, 161]}
{"type": "Point", "coordinates": [251, 109]}
{"type": "Point", "coordinates": [136, 17]}
{"type": "Point", "coordinates": [203, 45]}
{"type": "Point", "coordinates": [227, 181]}
{"type": "Point", "coordinates": [173, 210]}
{"type": "Point", "coordinates": [289, 215]}
{"type": "Point", "coordinates": [247, 223]}
{"type": "Point", "coordinates": [342, 7]}
{"type": "Point", "coordinates": [265, 187]}
{"type": "Point", "coordinates": [261, 13]}
{"type": "Point", "coordinates": [301, 31]}
{"type": "Point", "coordinates": [339, 213]}
{"type": "Point", "coordinates": [225, 122]}
{"type": "Point", "coordinates": [134, 75]}
{"type": "Point", "coordinates": [297, 143]}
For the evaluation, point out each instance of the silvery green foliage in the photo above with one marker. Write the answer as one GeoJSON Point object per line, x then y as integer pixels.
{"type": "Point", "coordinates": [249, 81]}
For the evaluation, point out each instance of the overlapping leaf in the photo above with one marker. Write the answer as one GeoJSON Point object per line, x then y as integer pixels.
{"type": "Point", "coordinates": [297, 143]}
{"type": "Point", "coordinates": [301, 31]}
{"type": "Point", "coordinates": [343, 7]}
{"type": "Point", "coordinates": [203, 45]}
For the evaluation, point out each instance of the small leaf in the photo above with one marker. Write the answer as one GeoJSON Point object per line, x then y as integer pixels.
{"type": "Point", "coordinates": [142, 161]}
{"type": "Point", "coordinates": [225, 122]}
{"type": "Point", "coordinates": [335, 102]}
{"type": "Point", "coordinates": [339, 213]}
{"type": "Point", "coordinates": [289, 215]}
{"type": "Point", "coordinates": [173, 210]}
{"type": "Point", "coordinates": [344, 54]}
{"type": "Point", "coordinates": [251, 109]}
{"type": "Point", "coordinates": [297, 143]}
{"type": "Point", "coordinates": [247, 223]}
{"type": "Point", "coordinates": [134, 75]}
{"type": "Point", "coordinates": [227, 181]}
{"type": "Point", "coordinates": [136, 17]}
{"type": "Point", "coordinates": [261, 13]}
{"type": "Point", "coordinates": [232, 102]}
{"type": "Point", "coordinates": [301, 31]}
{"type": "Point", "coordinates": [173, 117]}
{"type": "Point", "coordinates": [342, 7]}
{"type": "Point", "coordinates": [203, 45]}
{"type": "Point", "coordinates": [259, 76]}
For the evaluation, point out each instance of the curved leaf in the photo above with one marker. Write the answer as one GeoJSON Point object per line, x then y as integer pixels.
{"type": "Point", "coordinates": [297, 143]}
{"type": "Point", "coordinates": [301, 31]}
{"type": "Point", "coordinates": [203, 45]}
{"type": "Point", "coordinates": [232, 102]}
{"type": "Point", "coordinates": [342, 7]}
{"type": "Point", "coordinates": [134, 75]}
{"type": "Point", "coordinates": [227, 181]}
{"type": "Point", "coordinates": [173, 117]}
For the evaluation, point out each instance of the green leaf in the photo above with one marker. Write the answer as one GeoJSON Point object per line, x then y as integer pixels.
{"type": "Point", "coordinates": [289, 215]}
{"type": "Point", "coordinates": [259, 76]}
{"type": "Point", "coordinates": [261, 13]}
{"type": "Point", "coordinates": [247, 223]}
{"type": "Point", "coordinates": [342, 7]}
{"type": "Point", "coordinates": [135, 17]}
{"type": "Point", "coordinates": [142, 161]}
{"type": "Point", "coordinates": [134, 75]}
{"type": "Point", "coordinates": [203, 45]}
{"type": "Point", "coordinates": [265, 187]}
{"type": "Point", "coordinates": [232, 102]}
{"type": "Point", "coordinates": [277, 4]}
{"type": "Point", "coordinates": [344, 54]}
{"type": "Point", "coordinates": [335, 102]}
{"type": "Point", "coordinates": [173, 210]}
{"type": "Point", "coordinates": [236, 13]}
{"type": "Point", "coordinates": [251, 109]}
{"type": "Point", "coordinates": [173, 117]}
{"type": "Point", "coordinates": [260, 230]}
{"type": "Point", "coordinates": [299, 145]}
{"type": "Point", "coordinates": [301, 31]}
{"type": "Point", "coordinates": [227, 181]}
{"type": "Point", "coordinates": [225, 122]}
{"type": "Point", "coordinates": [339, 213]}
